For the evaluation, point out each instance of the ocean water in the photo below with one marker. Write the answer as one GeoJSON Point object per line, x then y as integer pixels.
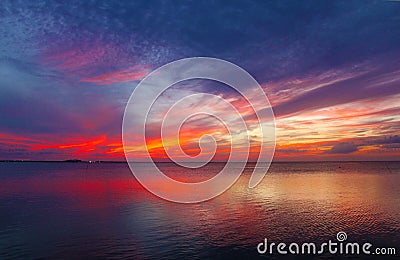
{"type": "Point", "coordinates": [80, 211]}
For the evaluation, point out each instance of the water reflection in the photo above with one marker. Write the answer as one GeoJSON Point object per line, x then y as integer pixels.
{"type": "Point", "coordinates": [71, 210]}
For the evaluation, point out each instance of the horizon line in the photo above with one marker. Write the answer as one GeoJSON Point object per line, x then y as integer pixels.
{"type": "Point", "coordinates": [107, 161]}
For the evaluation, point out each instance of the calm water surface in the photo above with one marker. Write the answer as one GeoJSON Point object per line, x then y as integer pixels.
{"type": "Point", "coordinates": [79, 210]}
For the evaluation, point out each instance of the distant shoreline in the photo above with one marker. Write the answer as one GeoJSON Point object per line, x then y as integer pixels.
{"type": "Point", "coordinates": [82, 161]}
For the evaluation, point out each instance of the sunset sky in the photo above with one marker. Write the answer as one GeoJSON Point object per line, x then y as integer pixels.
{"type": "Point", "coordinates": [331, 70]}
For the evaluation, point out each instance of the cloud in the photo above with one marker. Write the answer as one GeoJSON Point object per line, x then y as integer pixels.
{"type": "Point", "coordinates": [323, 54]}
{"type": "Point", "coordinates": [343, 148]}
{"type": "Point", "coordinates": [126, 75]}
{"type": "Point", "coordinates": [377, 83]}
{"type": "Point", "coordinates": [393, 139]}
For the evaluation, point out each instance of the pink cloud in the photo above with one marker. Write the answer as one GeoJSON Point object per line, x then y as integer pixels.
{"type": "Point", "coordinates": [130, 74]}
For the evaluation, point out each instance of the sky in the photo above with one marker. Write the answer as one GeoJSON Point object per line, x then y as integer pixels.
{"type": "Point", "coordinates": [331, 71]}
